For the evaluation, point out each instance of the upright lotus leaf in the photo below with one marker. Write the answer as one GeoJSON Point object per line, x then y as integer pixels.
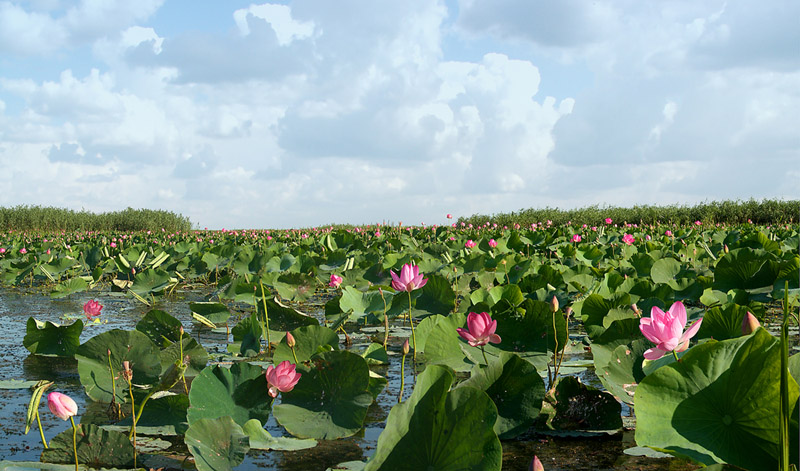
{"type": "Point", "coordinates": [260, 439]}
{"type": "Point", "coordinates": [331, 399]}
{"type": "Point", "coordinates": [47, 338]}
{"type": "Point", "coordinates": [71, 286]}
{"type": "Point", "coordinates": [247, 336]}
{"type": "Point", "coordinates": [436, 297]}
{"type": "Point", "coordinates": [582, 407]}
{"type": "Point", "coordinates": [375, 354]}
{"type": "Point", "coordinates": [240, 392]}
{"type": "Point", "coordinates": [746, 269]}
{"type": "Point", "coordinates": [217, 444]}
{"type": "Point", "coordinates": [309, 341]}
{"type": "Point", "coordinates": [150, 281]}
{"type": "Point", "coordinates": [516, 389]}
{"type": "Point", "coordinates": [443, 345]}
{"type": "Point", "coordinates": [439, 429]}
{"type": "Point", "coordinates": [719, 404]}
{"type": "Point", "coordinates": [424, 328]}
{"type": "Point", "coordinates": [165, 413]}
{"type": "Point", "coordinates": [536, 329]}
{"type": "Point", "coordinates": [359, 303]}
{"type": "Point", "coordinates": [162, 328]}
{"type": "Point", "coordinates": [295, 286]}
{"type": "Point", "coordinates": [284, 318]}
{"type": "Point", "coordinates": [594, 308]}
{"type": "Point", "coordinates": [125, 345]}
{"type": "Point", "coordinates": [665, 270]}
{"type": "Point", "coordinates": [217, 313]}
{"type": "Point", "coordinates": [623, 371]}
{"type": "Point", "coordinates": [96, 448]}
{"type": "Point", "coordinates": [723, 322]}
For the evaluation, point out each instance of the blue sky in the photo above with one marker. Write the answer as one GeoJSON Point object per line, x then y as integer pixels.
{"type": "Point", "coordinates": [304, 113]}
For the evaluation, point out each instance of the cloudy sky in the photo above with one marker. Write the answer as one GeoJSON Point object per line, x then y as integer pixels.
{"type": "Point", "coordinates": [310, 112]}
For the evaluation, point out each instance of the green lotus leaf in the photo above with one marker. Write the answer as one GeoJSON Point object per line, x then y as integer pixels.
{"type": "Point", "coordinates": [436, 297]}
{"type": "Point", "coordinates": [723, 322]}
{"type": "Point", "coordinates": [165, 413]}
{"type": "Point", "coordinates": [375, 354]}
{"type": "Point", "coordinates": [247, 335]}
{"type": "Point", "coordinates": [295, 286]}
{"type": "Point", "coordinates": [531, 330]}
{"type": "Point", "coordinates": [217, 313]}
{"type": "Point", "coordinates": [442, 344]}
{"type": "Point", "coordinates": [516, 389]}
{"type": "Point", "coordinates": [198, 356]}
{"type": "Point", "coordinates": [150, 281]}
{"type": "Point", "coordinates": [47, 338]}
{"type": "Point", "coordinates": [132, 346]}
{"type": "Point", "coordinates": [284, 318]}
{"type": "Point", "coordinates": [71, 286]}
{"type": "Point", "coordinates": [96, 448]}
{"type": "Point", "coordinates": [718, 404]}
{"type": "Point", "coordinates": [260, 439]}
{"type": "Point", "coordinates": [665, 270]}
{"type": "Point", "coordinates": [217, 444]}
{"type": "Point", "coordinates": [331, 399]}
{"type": "Point", "coordinates": [162, 328]}
{"type": "Point", "coordinates": [308, 341]}
{"type": "Point", "coordinates": [623, 370]}
{"type": "Point", "coordinates": [745, 268]}
{"type": "Point", "coordinates": [456, 428]}
{"type": "Point", "coordinates": [240, 392]}
{"type": "Point", "coordinates": [594, 308]}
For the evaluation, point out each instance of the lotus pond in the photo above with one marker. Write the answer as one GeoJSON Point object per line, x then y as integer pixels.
{"type": "Point", "coordinates": [520, 342]}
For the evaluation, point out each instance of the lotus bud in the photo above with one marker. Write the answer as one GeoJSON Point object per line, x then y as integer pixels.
{"type": "Point", "coordinates": [636, 309]}
{"type": "Point", "coordinates": [568, 312]}
{"type": "Point", "coordinates": [405, 347]}
{"type": "Point", "coordinates": [127, 373]}
{"type": "Point", "coordinates": [554, 304]}
{"type": "Point", "coordinates": [290, 340]}
{"type": "Point", "coordinates": [536, 465]}
{"type": "Point", "coordinates": [749, 324]}
{"type": "Point", "coordinates": [725, 248]}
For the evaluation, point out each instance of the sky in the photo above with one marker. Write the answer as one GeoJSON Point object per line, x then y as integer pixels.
{"type": "Point", "coordinates": [307, 113]}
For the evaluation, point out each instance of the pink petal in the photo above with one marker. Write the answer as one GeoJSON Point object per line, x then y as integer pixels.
{"type": "Point", "coordinates": [654, 353]}
{"type": "Point", "coordinates": [678, 310]}
{"type": "Point", "coordinates": [692, 330]}
{"type": "Point", "coordinates": [494, 338]}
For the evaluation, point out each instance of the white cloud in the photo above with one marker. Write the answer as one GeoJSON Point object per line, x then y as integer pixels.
{"type": "Point", "coordinates": [280, 19]}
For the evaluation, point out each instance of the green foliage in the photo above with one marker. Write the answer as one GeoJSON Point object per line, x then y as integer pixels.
{"type": "Point", "coordinates": [38, 218]}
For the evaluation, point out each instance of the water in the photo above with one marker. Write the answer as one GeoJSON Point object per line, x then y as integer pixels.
{"type": "Point", "coordinates": [120, 312]}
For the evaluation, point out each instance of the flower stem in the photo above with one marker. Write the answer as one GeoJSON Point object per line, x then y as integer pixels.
{"type": "Point", "coordinates": [484, 356]}
{"type": "Point", "coordinates": [41, 432]}
{"type": "Point", "coordinates": [413, 334]}
{"type": "Point", "coordinates": [402, 378]}
{"type": "Point", "coordinates": [74, 441]}
{"type": "Point", "coordinates": [114, 407]}
{"type": "Point", "coordinates": [675, 355]}
{"type": "Point", "coordinates": [266, 316]}
{"type": "Point", "coordinates": [133, 421]}
{"type": "Point", "coordinates": [294, 355]}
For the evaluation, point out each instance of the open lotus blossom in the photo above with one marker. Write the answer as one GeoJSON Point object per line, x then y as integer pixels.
{"type": "Point", "coordinates": [609, 220]}
{"type": "Point", "coordinates": [335, 281]}
{"type": "Point", "coordinates": [282, 378]}
{"type": "Point", "coordinates": [628, 239]}
{"type": "Point", "coordinates": [410, 278]}
{"type": "Point", "coordinates": [665, 329]}
{"type": "Point", "coordinates": [61, 405]}
{"type": "Point", "coordinates": [469, 244]}
{"type": "Point", "coordinates": [492, 243]}
{"type": "Point", "coordinates": [576, 238]}
{"type": "Point", "coordinates": [92, 309]}
{"type": "Point", "coordinates": [480, 329]}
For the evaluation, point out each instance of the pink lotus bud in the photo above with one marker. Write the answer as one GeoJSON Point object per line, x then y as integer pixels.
{"type": "Point", "coordinates": [61, 405]}
{"type": "Point", "coordinates": [480, 329]}
{"type": "Point", "coordinates": [406, 348]}
{"type": "Point", "coordinates": [749, 324]}
{"type": "Point", "coordinates": [725, 248]}
{"type": "Point", "coordinates": [449, 216]}
{"type": "Point", "coordinates": [554, 304]}
{"type": "Point", "coordinates": [469, 244]}
{"type": "Point", "coordinates": [335, 281]}
{"type": "Point", "coordinates": [290, 340]}
{"type": "Point", "coordinates": [492, 243]}
{"type": "Point", "coordinates": [536, 465]}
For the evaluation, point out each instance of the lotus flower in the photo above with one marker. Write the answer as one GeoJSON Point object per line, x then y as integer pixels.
{"type": "Point", "coordinates": [609, 221]}
{"type": "Point", "coordinates": [628, 239]}
{"type": "Point", "coordinates": [749, 324]}
{"type": "Point", "coordinates": [335, 281]}
{"type": "Point", "coordinates": [61, 405]}
{"type": "Point", "coordinates": [469, 244]}
{"type": "Point", "coordinates": [282, 378]}
{"type": "Point", "coordinates": [665, 329]}
{"type": "Point", "coordinates": [409, 279]}
{"type": "Point", "coordinates": [535, 465]}
{"type": "Point", "coordinates": [576, 238]}
{"type": "Point", "coordinates": [92, 309]}
{"type": "Point", "coordinates": [492, 243]}
{"type": "Point", "coordinates": [480, 330]}
{"type": "Point", "coordinates": [449, 216]}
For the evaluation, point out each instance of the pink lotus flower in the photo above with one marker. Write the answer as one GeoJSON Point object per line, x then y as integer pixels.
{"type": "Point", "coordinates": [492, 243]}
{"type": "Point", "coordinates": [92, 309]}
{"type": "Point", "coordinates": [628, 239]}
{"type": "Point", "coordinates": [2, 250]}
{"type": "Point", "coordinates": [609, 220]}
{"type": "Point", "coordinates": [469, 244]}
{"type": "Point", "coordinates": [668, 233]}
{"type": "Point", "coordinates": [283, 378]}
{"type": "Point", "coordinates": [113, 245]}
{"type": "Point", "coordinates": [480, 329]}
{"type": "Point", "coordinates": [335, 281]}
{"type": "Point", "coordinates": [61, 405]}
{"type": "Point", "coordinates": [409, 279]}
{"type": "Point", "coordinates": [23, 250]}
{"type": "Point", "coordinates": [576, 238]}
{"type": "Point", "coordinates": [665, 329]}
{"type": "Point", "coordinates": [449, 216]}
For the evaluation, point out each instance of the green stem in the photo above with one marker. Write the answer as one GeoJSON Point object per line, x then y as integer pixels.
{"type": "Point", "coordinates": [484, 356]}
{"type": "Point", "coordinates": [676, 356]}
{"type": "Point", "coordinates": [41, 432]}
{"type": "Point", "coordinates": [413, 334]}
{"type": "Point", "coordinates": [266, 316]}
{"type": "Point", "coordinates": [74, 441]}
{"type": "Point", "coordinates": [113, 386]}
{"type": "Point", "coordinates": [402, 378]}
{"type": "Point", "coordinates": [783, 436]}
{"type": "Point", "coordinates": [295, 356]}
{"type": "Point", "coordinates": [133, 420]}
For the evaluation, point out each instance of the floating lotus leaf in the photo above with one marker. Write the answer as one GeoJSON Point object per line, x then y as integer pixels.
{"type": "Point", "coordinates": [71, 286]}
{"type": "Point", "coordinates": [132, 346]}
{"type": "Point", "coordinates": [96, 448]}
{"type": "Point", "coordinates": [718, 404]}
{"type": "Point", "coordinates": [454, 426]}
{"type": "Point", "coordinates": [331, 399]}
{"type": "Point", "coordinates": [516, 389]}
{"type": "Point", "coordinates": [217, 444]}
{"type": "Point", "coordinates": [308, 340]}
{"type": "Point", "coordinates": [240, 392]}
{"type": "Point", "coordinates": [150, 281]}
{"type": "Point", "coordinates": [47, 338]}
